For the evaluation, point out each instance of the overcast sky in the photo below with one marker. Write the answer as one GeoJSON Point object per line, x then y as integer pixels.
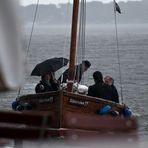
{"type": "Point", "coordinates": [27, 2]}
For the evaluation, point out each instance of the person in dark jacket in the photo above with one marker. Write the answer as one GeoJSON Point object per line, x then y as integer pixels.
{"type": "Point", "coordinates": [100, 89]}
{"type": "Point", "coordinates": [79, 69]}
{"type": "Point", "coordinates": [110, 81]}
{"type": "Point", "coordinates": [47, 83]}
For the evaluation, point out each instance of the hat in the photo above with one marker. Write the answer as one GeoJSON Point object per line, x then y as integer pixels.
{"type": "Point", "coordinates": [109, 80]}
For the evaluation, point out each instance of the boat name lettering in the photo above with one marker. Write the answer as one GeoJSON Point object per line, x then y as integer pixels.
{"type": "Point", "coordinates": [48, 100]}
{"type": "Point", "coordinates": [78, 102]}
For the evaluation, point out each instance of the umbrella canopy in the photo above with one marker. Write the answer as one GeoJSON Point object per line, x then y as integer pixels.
{"type": "Point", "coordinates": [50, 65]}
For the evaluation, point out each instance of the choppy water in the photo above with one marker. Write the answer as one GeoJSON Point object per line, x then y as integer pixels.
{"type": "Point", "coordinates": [101, 51]}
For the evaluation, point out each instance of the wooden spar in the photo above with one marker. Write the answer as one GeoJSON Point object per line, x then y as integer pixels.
{"type": "Point", "coordinates": [72, 57]}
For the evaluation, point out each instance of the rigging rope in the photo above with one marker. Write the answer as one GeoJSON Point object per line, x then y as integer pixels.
{"type": "Point", "coordinates": [65, 42]}
{"type": "Point", "coordinates": [118, 52]}
{"type": "Point", "coordinates": [81, 37]}
{"type": "Point", "coordinates": [32, 29]}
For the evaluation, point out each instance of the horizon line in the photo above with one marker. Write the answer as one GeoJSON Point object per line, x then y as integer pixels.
{"type": "Point", "coordinates": [51, 3]}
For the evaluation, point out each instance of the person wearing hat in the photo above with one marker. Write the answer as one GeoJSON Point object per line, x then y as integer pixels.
{"type": "Point", "coordinates": [110, 82]}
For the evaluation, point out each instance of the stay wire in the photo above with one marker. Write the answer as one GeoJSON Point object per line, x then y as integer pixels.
{"type": "Point", "coordinates": [32, 29]}
{"type": "Point", "coordinates": [81, 36]}
{"type": "Point", "coordinates": [30, 39]}
{"type": "Point", "coordinates": [83, 32]}
{"type": "Point", "coordinates": [66, 33]}
{"type": "Point", "coordinates": [83, 28]}
{"type": "Point", "coordinates": [118, 53]}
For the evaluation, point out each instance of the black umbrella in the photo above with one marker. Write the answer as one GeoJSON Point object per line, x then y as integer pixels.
{"type": "Point", "coordinates": [50, 65]}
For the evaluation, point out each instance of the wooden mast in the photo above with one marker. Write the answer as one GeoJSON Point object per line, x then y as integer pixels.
{"type": "Point", "coordinates": [72, 57]}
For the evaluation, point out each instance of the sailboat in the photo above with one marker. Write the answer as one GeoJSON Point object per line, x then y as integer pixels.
{"type": "Point", "coordinates": [76, 114]}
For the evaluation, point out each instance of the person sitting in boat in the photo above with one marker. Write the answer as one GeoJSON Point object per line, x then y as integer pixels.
{"type": "Point", "coordinates": [100, 89]}
{"type": "Point", "coordinates": [110, 82]}
{"type": "Point", "coordinates": [80, 69]}
{"type": "Point", "coordinates": [47, 83]}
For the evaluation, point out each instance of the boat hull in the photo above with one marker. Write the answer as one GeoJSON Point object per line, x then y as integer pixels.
{"type": "Point", "coordinates": [75, 111]}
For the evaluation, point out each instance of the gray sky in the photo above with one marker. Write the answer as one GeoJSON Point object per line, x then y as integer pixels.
{"type": "Point", "coordinates": [27, 2]}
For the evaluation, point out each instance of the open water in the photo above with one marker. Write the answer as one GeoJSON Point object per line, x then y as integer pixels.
{"type": "Point", "coordinates": [101, 51]}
